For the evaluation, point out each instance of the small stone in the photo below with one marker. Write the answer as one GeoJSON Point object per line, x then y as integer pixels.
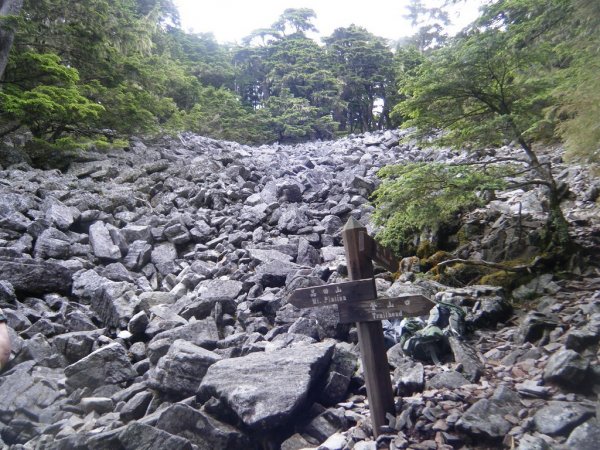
{"type": "Point", "coordinates": [136, 407]}
{"type": "Point", "coordinates": [102, 244]}
{"type": "Point", "coordinates": [365, 445]}
{"type": "Point", "coordinates": [533, 327]}
{"type": "Point", "coordinates": [336, 441]}
{"type": "Point", "coordinates": [440, 425]}
{"type": "Point", "coordinates": [567, 368]}
{"type": "Point", "coordinates": [101, 405]}
{"type": "Point", "coordinates": [447, 380]}
{"type": "Point", "coordinates": [531, 388]}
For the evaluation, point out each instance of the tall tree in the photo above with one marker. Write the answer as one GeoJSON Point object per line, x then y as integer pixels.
{"type": "Point", "coordinates": [484, 90]}
{"type": "Point", "coordinates": [111, 45]}
{"type": "Point", "coordinates": [293, 119]}
{"type": "Point", "coordinates": [578, 93]}
{"type": "Point", "coordinates": [363, 62]}
{"type": "Point", "coordinates": [430, 22]}
{"type": "Point", "coordinates": [296, 19]}
{"type": "Point", "coordinates": [8, 8]}
{"type": "Point", "coordinates": [300, 65]}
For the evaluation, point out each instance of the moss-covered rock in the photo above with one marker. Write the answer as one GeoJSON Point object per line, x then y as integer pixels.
{"type": "Point", "coordinates": [462, 274]}
{"type": "Point", "coordinates": [503, 278]}
{"type": "Point", "coordinates": [425, 249]}
{"type": "Point", "coordinates": [432, 261]}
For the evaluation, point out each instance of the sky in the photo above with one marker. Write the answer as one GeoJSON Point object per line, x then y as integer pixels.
{"type": "Point", "coordinates": [231, 20]}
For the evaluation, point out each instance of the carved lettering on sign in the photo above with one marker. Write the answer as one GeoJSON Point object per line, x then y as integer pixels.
{"type": "Point", "coordinates": [385, 308]}
{"type": "Point", "coordinates": [331, 294]}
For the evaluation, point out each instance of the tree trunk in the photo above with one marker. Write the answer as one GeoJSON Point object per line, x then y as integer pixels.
{"type": "Point", "coordinates": [557, 226]}
{"type": "Point", "coordinates": [7, 8]}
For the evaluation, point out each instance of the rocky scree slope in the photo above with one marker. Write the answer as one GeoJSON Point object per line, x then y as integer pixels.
{"type": "Point", "coordinates": [145, 291]}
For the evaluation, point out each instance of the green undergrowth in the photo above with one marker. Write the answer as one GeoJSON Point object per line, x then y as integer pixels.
{"type": "Point", "coordinates": [427, 197]}
{"type": "Point", "coordinates": [59, 154]}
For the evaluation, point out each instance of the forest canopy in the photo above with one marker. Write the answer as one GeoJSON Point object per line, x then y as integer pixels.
{"type": "Point", "coordinates": [525, 71]}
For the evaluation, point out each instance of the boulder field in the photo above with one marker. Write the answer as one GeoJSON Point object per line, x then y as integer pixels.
{"type": "Point", "coordinates": [145, 291]}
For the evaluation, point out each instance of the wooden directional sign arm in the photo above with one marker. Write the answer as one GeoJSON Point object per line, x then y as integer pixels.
{"type": "Point", "coordinates": [385, 308]}
{"type": "Point", "coordinates": [380, 254]}
{"type": "Point", "coordinates": [370, 334]}
{"type": "Point", "coordinates": [331, 294]}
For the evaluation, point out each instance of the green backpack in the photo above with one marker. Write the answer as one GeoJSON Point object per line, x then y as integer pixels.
{"type": "Point", "coordinates": [426, 343]}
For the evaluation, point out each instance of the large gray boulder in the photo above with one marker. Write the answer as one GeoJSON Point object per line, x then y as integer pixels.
{"type": "Point", "coordinates": [77, 344]}
{"type": "Point", "coordinates": [28, 390]}
{"type": "Point", "coordinates": [138, 255]}
{"type": "Point", "coordinates": [447, 380]}
{"type": "Point", "coordinates": [203, 333]}
{"type": "Point", "coordinates": [466, 355]}
{"type": "Point", "coordinates": [107, 365]}
{"type": "Point", "coordinates": [585, 437]}
{"type": "Point", "coordinates": [275, 273]}
{"type": "Point", "coordinates": [567, 368]}
{"type": "Point", "coordinates": [36, 277]}
{"type": "Point", "coordinates": [292, 220]}
{"type": "Point", "coordinates": [138, 436]}
{"type": "Point", "coordinates": [180, 371]}
{"type": "Point", "coordinates": [114, 302]}
{"type": "Point", "coordinates": [59, 214]}
{"type": "Point", "coordinates": [201, 429]}
{"type": "Point", "coordinates": [265, 390]}
{"type": "Point", "coordinates": [163, 256]}
{"type": "Point", "coordinates": [561, 417]}
{"type": "Point", "coordinates": [210, 292]}
{"type": "Point", "coordinates": [52, 243]}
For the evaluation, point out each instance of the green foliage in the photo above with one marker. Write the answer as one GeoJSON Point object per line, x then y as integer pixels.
{"type": "Point", "coordinates": [127, 67]}
{"type": "Point", "coordinates": [460, 275]}
{"type": "Point", "coordinates": [499, 81]}
{"type": "Point", "coordinates": [430, 22]}
{"type": "Point", "coordinates": [568, 30]}
{"type": "Point", "coordinates": [294, 119]}
{"type": "Point", "coordinates": [479, 91]}
{"type": "Point", "coordinates": [578, 93]}
{"type": "Point", "coordinates": [220, 114]}
{"type": "Point", "coordinates": [363, 62]}
{"type": "Point", "coordinates": [49, 110]}
{"type": "Point", "coordinates": [426, 196]}
{"type": "Point", "coordinates": [526, 71]}
{"type": "Point", "coordinates": [60, 153]}
{"type": "Point", "coordinates": [131, 109]}
{"type": "Point", "coordinates": [298, 19]}
{"type": "Point", "coordinates": [200, 56]}
{"type": "Point", "coordinates": [106, 77]}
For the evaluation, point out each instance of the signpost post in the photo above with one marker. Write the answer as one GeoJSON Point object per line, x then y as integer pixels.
{"type": "Point", "coordinates": [370, 334]}
{"type": "Point", "coordinates": [357, 302]}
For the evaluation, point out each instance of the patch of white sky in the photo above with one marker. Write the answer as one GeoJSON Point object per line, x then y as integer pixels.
{"type": "Point", "coordinates": [231, 20]}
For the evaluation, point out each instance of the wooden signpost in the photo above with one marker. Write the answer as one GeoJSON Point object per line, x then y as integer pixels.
{"type": "Point", "coordinates": [357, 302]}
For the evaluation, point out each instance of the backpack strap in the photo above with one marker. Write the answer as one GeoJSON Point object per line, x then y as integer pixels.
{"type": "Point", "coordinates": [433, 354]}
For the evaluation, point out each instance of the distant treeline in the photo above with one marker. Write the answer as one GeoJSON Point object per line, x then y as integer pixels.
{"type": "Point", "coordinates": [97, 69]}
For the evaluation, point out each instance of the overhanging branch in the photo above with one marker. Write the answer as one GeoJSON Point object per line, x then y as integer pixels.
{"type": "Point", "coordinates": [472, 262]}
